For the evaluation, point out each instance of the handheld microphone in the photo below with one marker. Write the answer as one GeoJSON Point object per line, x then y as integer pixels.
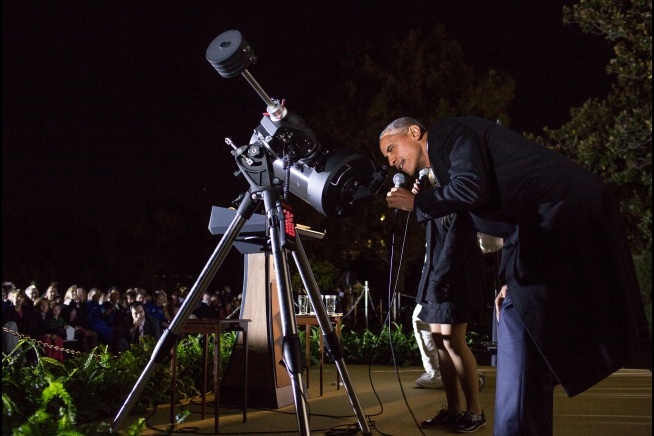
{"type": "Point", "coordinates": [423, 178]}
{"type": "Point", "coordinates": [398, 181]}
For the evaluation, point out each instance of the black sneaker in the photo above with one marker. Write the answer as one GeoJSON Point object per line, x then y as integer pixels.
{"type": "Point", "coordinates": [443, 419]}
{"type": "Point", "coordinates": [470, 422]}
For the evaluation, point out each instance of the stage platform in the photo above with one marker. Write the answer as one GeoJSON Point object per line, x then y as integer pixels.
{"type": "Point", "coordinates": [619, 405]}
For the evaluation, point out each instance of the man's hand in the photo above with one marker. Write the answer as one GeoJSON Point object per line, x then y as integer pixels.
{"type": "Point", "coordinates": [416, 186]}
{"type": "Point", "coordinates": [498, 301]}
{"type": "Point", "coordinates": [400, 198]}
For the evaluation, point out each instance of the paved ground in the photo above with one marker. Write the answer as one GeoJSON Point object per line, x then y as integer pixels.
{"type": "Point", "coordinates": [619, 405]}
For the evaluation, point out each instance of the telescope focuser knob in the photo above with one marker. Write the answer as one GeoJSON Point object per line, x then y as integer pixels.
{"type": "Point", "coordinates": [254, 151]}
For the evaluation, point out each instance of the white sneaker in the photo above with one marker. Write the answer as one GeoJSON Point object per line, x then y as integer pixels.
{"type": "Point", "coordinates": [427, 381]}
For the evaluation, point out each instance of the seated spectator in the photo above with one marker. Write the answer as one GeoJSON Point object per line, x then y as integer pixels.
{"type": "Point", "coordinates": [115, 297]}
{"type": "Point", "coordinates": [96, 291]}
{"type": "Point", "coordinates": [143, 324]}
{"type": "Point", "coordinates": [217, 307]}
{"type": "Point", "coordinates": [99, 317]}
{"type": "Point", "coordinates": [6, 289]}
{"type": "Point", "coordinates": [44, 332]}
{"type": "Point", "coordinates": [18, 318]}
{"type": "Point", "coordinates": [156, 308]}
{"type": "Point", "coordinates": [75, 316]}
{"type": "Point", "coordinates": [229, 308]}
{"type": "Point", "coordinates": [121, 309]}
{"type": "Point", "coordinates": [32, 294]}
{"type": "Point", "coordinates": [51, 293]}
{"type": "Point", "coordinates": [205, 309]}
{"type": "Point", "coordinates": [130, 297]}
{"type": "Point", "coordinates": [173, 305]}
{"type": "Point", "coordinates": [141, 295]}
{"type": "Point", "coordinates": [71, 311]}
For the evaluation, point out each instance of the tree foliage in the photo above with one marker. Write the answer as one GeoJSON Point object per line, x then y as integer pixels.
{"type": "Point", "coordinates": [612, 137]}
{"type": "Point", "coordinates": [423, 75]}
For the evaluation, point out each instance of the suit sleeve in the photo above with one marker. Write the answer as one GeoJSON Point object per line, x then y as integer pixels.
{"type": "Point", "coordinates": [457, 154]}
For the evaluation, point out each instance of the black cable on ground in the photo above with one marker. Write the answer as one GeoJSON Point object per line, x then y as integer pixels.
{"type": "Point", "coordinates": [391, 299]}
{"type": "Point", "coordinates": [341, 429]}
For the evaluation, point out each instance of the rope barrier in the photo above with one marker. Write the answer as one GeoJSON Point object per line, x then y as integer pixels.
{"type": "Point", "coordinates": [45, 344]}
{"type": "Point", "coordinates": [354, 305]}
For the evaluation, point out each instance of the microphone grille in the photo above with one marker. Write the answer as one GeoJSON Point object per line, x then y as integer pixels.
{"type": "Point", "coordinates": [398, 179]}
{"type": "Point", "coordinates": [424, 172]}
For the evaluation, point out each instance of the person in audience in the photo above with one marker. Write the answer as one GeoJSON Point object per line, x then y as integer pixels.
{"type": "Point", "coordinates": [121, 309]}
{"type": "Point", "coordinates": [115, 298]}
{"type": "Point", "coordinates": [229, 308]}
{"type": "Point", "coordinates": [82, 293]}
{"type": "Point", "coordinates": [203, 309]}
{"type": "Point", "coordinates": [51, 293]}
{"type": "Point", "coordinates": [32, 293]}
{"type": "Point", "coordinates": [44, 332]}
{"type": "Point", "coordinates": [217, 307]}
{"type": "Point", "coordinates": [156, 308]}
{"type": "Point", "coordinates": [93, 317]}
{"type": "Point", "coordinates": [57, 322]}
{"type": "Point", "coordinates": [143, 324]}
{"type": "Point", "coordinates": [141, 295]}
{"type": "Point", "coordinates": [74, 314]}
{"type": "Point", "coordinates": [71, 311]}
{"type": "Point", "coordinates": [59, 326]}
{"type": "Point", "coordinates": [6, 289]}
{"type": "Point", "coordinates": [173, 305]}
{"type": "Point", "coordinates": [17, 318]}
{"type": "Point", "coordinates": [130, 297]}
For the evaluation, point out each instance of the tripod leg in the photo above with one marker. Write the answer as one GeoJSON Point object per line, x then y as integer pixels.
{"type": "Point", "coordinates": [291, 341]}
{"type": "Point", "coordinates": [330, 338]}
{"type": "Point", "coordinates": [170, 336]}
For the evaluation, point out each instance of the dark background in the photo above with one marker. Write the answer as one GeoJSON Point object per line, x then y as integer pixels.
{"type": "Point", "coordinates": [110, 110]}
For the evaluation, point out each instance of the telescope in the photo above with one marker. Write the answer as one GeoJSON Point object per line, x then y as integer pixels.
{"type": "Point", "coordinates": [283, 156]}
{"type": "Point", "coordinates": [285, 152]}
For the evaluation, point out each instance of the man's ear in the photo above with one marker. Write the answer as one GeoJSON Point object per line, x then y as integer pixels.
{"type": "Point", "coordinates": [414, 131]}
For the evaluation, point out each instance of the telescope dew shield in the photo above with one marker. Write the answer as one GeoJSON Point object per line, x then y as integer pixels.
{"type": "Point", "coordinates": [230, 54]}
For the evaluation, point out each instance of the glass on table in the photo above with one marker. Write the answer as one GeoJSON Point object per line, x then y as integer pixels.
{"type": "Point", "coordinates": [303, 304]}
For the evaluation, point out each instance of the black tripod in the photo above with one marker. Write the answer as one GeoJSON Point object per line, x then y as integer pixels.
{"type": "Point", "coordinates": [283, 153]}
{"type": "Point", "coordinates": [291, 343]}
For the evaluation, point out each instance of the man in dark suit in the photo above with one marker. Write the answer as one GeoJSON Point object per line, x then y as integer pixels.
{"type": "Point", "coordinates": [143, 325]}
{"type": "Point", "coordinates": [571, 310]}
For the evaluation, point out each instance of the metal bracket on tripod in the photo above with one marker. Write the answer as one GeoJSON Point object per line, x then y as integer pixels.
{"type": "Point", "coordinates": [283, 155]}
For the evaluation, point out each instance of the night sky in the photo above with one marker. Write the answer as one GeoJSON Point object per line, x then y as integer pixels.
{"type": "Point", "coordinates": [109, 106]}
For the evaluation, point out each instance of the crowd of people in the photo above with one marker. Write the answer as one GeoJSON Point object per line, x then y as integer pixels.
{"type": "Point", "coordinates": [80, 320]}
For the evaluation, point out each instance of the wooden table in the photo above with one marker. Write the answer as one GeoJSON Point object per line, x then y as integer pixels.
{"type": "Point", "coordinates": [311, 320]}
{"type": "Point", "coordinates": [206, 327]}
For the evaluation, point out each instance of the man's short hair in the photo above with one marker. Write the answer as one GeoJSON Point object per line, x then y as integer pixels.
{"type": "Point", "coordinates": [136, 304]}
{"type": "Point", "coordinates": [401, 125]}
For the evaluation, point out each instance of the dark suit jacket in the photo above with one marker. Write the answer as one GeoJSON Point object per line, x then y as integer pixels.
{"type": "Point", "coordinates": [565, 260]}
{"type": "Point", "coordinates": [150, 328]}
{"type": "Point", "coordinates": [453, 264]}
